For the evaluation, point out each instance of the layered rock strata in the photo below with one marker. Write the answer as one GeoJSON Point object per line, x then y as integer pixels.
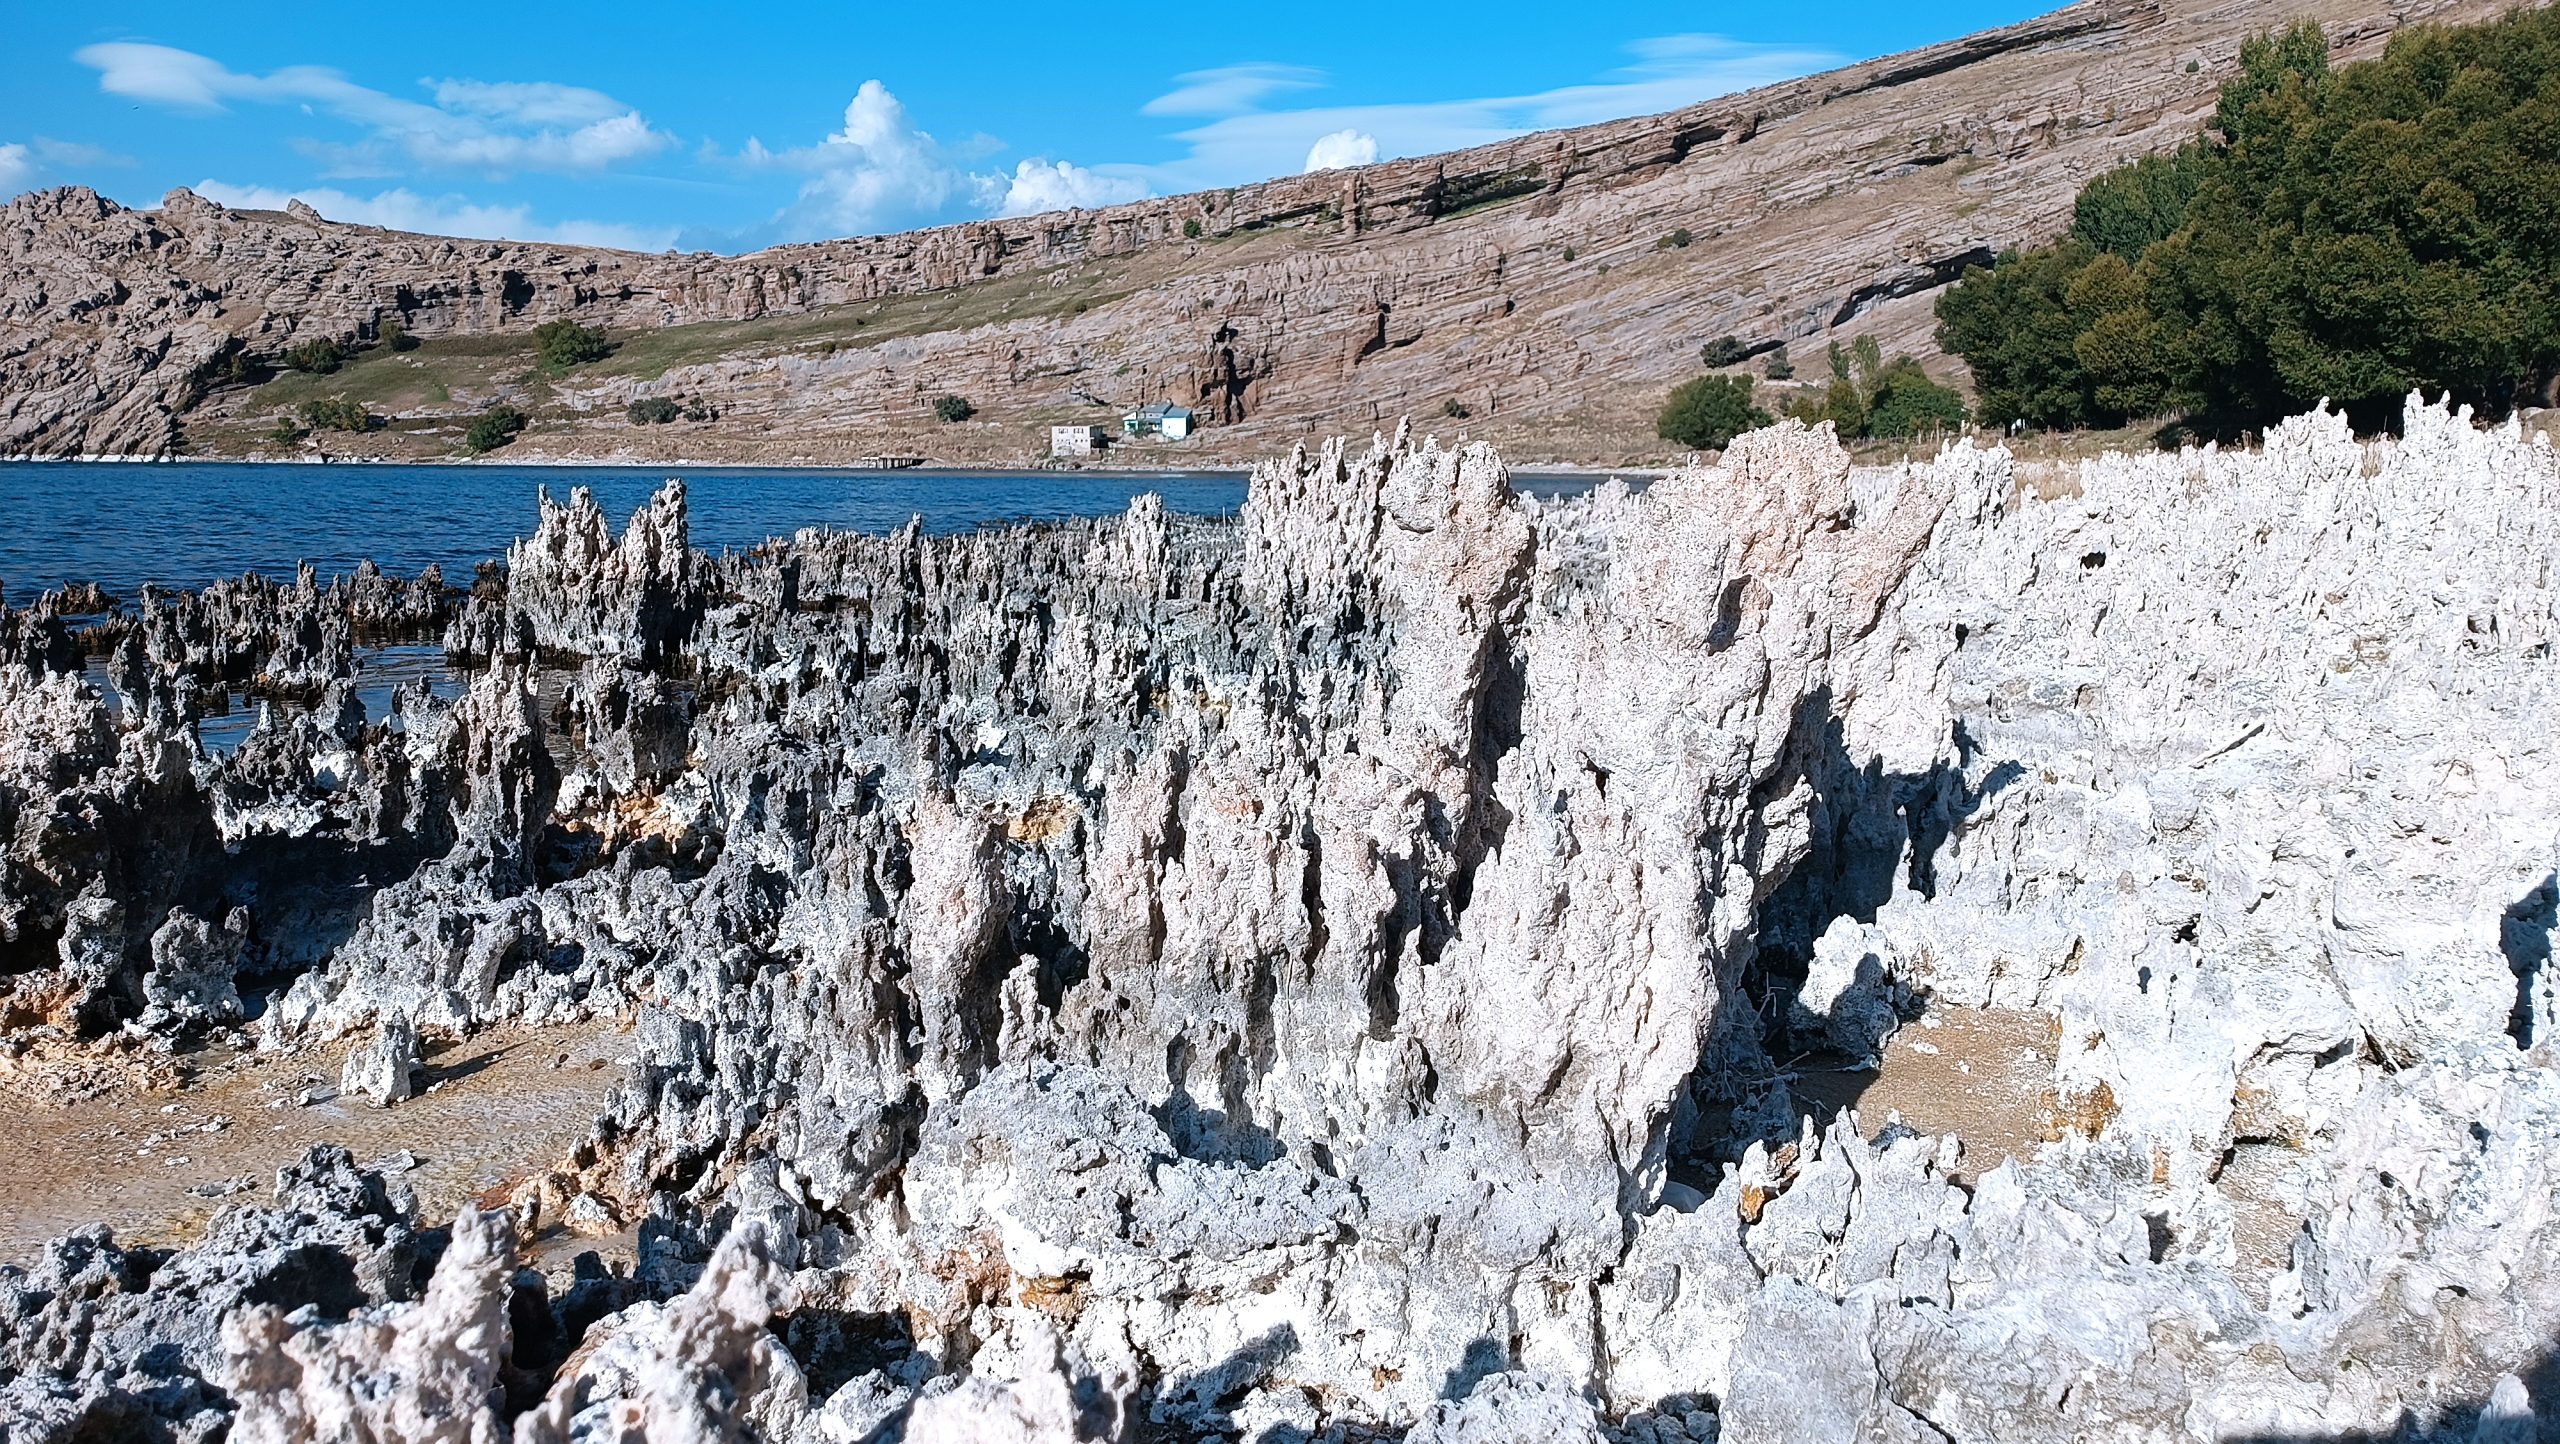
{"type": "Point", "coordinates": [1348, 972]}
{"type": "Point", "coordinates": [1555, 285]}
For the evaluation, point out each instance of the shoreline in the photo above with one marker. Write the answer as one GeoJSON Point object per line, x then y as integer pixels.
{"type": "Point", "coordinates": [1562, 470]}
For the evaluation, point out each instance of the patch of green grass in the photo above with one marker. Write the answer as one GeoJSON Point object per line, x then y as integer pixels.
{"type": "Point", "coordinates": [390, 382]}
{"type": "Point", "coordinates": [434, 372]}
{"type": "Point", "coordinates": [648, 355]}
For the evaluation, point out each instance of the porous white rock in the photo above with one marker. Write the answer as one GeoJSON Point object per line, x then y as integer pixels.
{"type": "Point", "coordinates": [1342, 969]}
{"type": "Point", "coordinates": [424, 1373]}
{"type": "Point", "coordinates": [384, 1069]}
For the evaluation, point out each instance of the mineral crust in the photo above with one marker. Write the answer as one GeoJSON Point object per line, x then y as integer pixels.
{"type": "Point", "coordinates": [1357, 971]}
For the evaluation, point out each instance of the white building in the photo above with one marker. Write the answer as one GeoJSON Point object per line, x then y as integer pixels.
{"type": "Point", "coordinates": [1163, 419]}
{"type": "Point", "coordinates": [1078, 440]}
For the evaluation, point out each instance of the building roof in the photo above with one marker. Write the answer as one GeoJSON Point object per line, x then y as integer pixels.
{"type": "Point", "coordinates": [1161, 411]}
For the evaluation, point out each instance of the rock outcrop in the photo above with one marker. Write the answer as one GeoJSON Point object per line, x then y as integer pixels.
{"type": "Point", "coordinates": [1533, 280]}
{"type": "Point", "coordinates": [98, 1341]}
{"type": "Point", "coordinates": [1358, 969]}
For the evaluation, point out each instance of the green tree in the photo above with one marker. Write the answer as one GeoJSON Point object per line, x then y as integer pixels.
{"type": "Point", "coordinates": [1871, 396]}
{"type": "Point", "coordinates": [653, 411]}
{"type": "Point", "coordinates": [492, 429]}
{"type": "Point", "coordinates": [563, 344]}
{"type": "Point", "coordinates": [953, 409]}
{"type": "Point", "coordinates": [2349, 234]}
{"type": "Point", "coordinates": [2132, 208]}
{"type": "Point", "coordinates": [1840, 404]}
{"type": "Point", "coordinates": [337, 413]}
{"type": "Point", "coordinates": [1708, 413]}
{"type": "Point", "coordinates": [1908, 403]}
{"type": "Point", "coordinates": [2015, 325]}
{"type": "Point", "coordinates": [2272, 67]}
{"type": "Point", "coordinates": [319, 357]}
{"type": "Point", "coordinates": [1724, 351]}
{"type": "Point", "coordinates": [238, 368]}
{"type": "Point", "coordinates": [2372, 230]}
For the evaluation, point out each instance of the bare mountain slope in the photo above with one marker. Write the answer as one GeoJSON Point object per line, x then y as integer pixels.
{"type": "Point", "coordinates": [1534, 283]}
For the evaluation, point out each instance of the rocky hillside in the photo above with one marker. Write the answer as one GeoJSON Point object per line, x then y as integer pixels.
{"type": "Point", "coordinates": [1551, 288]}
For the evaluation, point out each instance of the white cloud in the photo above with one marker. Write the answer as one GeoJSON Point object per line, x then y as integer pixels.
{"type": "Point", "coordinates": [1037, 186]}
{"type": "Point", "coordinates": [1341, 150]}
{"type": "Point", "coordinates": [589, 147]}
{"type": "Point", "coordinates": [879, 170]}
{"type": "Point", "coordinates": [56, 154]}
{"type": "Point", "coordinates": [165, 74]}
{"type": "Point", "coordinates": [882, 170]}
{"type": "Point", "coordinates": [403, 210]}
{"type": "Point", "coordinates": [536, 102]}
{"type": "Point", "coordinates": [475, 125]}
{"type": "Point", "coordinates": [1231, 88]}
{"type": "Point", "coordinates": [21, 163]}
{"type": "Point", "coordinates": [1250, 143]}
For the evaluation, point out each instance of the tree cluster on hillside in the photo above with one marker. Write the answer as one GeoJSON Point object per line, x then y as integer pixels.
{"type": "Point", "coordinates": [1725, 351]}
{"type": "Point", "coordinates": [563, 344]}
{"type": "Point", "coordinates": [337, 413]}
{"type": "Point", "coordinates": [1871, 397]}
{"type": "Point", "coordinates": [318, 357]}
{"type": "Point", "coordinates": [1710, 412]}
{"type": "Point", "coordinates": [493, 428]}
{"type": "Point", "coordinates": [2351, 233]}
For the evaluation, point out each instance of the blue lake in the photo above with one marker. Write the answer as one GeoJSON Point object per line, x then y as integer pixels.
{"type": "Point", "coordinates": [183, 524]}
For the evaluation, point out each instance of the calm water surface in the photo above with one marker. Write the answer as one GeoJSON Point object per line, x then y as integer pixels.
{"type": "Point", "coordinates": [183, 524]}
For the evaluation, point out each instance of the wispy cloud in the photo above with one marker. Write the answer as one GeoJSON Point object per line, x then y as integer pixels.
{"type": "Point", "coordinates": [403, 210]}
{"type": "Point", "coordinates": [498, 127]}
{"type": "Point", "coordinates": [879, 170]}
{"type": "Point", "coordinates": [1231, 88]}
{"type": "Point", "coordinates": [23, 163]}
{"type": "Point", "coordinates": [537, 102]}
{"type": "Point", "coordinates": [1249, 141]}
{"type": "Point", "coordinates": [73, 155]}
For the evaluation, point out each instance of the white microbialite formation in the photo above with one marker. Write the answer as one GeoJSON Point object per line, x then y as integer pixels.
{"type": "Point", "coordinates": [1356, 971]}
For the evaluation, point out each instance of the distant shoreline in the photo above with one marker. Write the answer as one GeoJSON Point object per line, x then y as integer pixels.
{"type": "Point", "coordinates": [1560, 470]}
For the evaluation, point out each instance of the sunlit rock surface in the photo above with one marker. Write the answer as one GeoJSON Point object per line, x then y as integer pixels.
{"type": "Point", "coordinates": [1354, 971]}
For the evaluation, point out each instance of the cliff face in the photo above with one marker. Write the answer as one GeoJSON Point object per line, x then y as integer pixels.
{"type": "Point", "coordinates": [1530, 281]}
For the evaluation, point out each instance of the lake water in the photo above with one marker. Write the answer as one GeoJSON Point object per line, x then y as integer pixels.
{"type": "Point", "coordinates": [183, 524]}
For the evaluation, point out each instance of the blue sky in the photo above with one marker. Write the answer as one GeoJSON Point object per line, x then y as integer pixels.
{"type": "Point", "coordinates": [654, 125]}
